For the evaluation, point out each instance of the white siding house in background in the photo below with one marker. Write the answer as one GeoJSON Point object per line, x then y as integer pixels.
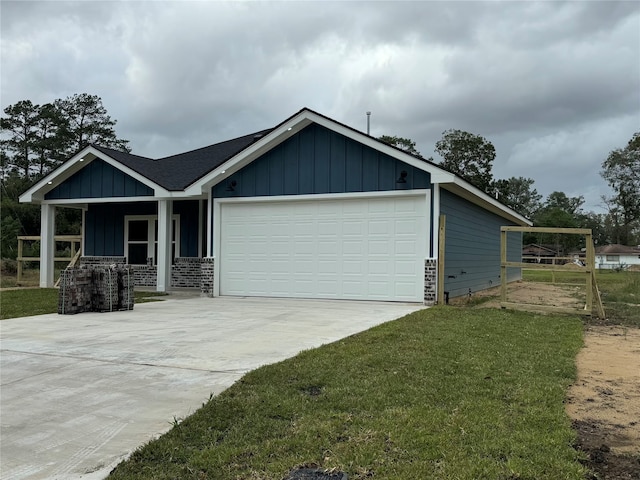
{"type": "Point", "coordinates": [617, 256]}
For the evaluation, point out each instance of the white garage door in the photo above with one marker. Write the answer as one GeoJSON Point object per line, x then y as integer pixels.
{"type": "Point", "coordinates": [361, 249]}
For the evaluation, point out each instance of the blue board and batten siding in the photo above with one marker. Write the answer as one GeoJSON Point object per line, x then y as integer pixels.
{"type": "Point", "coordinates": [317, 160]}
{"type": "Point", "coordinates": [472, 246]}
{"type": "Point", "coordinates": [99, 180]}
{"type": "Point", "coordinates": [104, 226]}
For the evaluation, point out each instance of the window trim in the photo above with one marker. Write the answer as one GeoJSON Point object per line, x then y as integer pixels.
{"type": "Point", "coordinates": [151, 236]}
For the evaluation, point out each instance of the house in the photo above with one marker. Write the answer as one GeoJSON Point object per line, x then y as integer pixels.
{"type": "Point", "coordinates": [615, 257]}
{"type": "Point", "coordinates": [311, 208]}
{"type": "Point", "coordinates": [534, 253]}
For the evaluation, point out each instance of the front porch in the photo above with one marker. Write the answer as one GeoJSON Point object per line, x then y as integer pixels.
{"type": "Point", "coordinates": [163, 241]}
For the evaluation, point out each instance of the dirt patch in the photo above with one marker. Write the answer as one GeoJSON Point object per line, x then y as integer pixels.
{"type": "Point", "coordinates": [607, 390]}
{"type": "Point", "coordinates": [604, 403]}
{"type": "Point", "coordinates": [533, 293]}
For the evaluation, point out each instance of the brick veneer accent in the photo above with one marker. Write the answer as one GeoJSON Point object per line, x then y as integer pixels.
{"type": "Point", "coordinates": [146, 275]}
{"type": "Point", "coordinates": [207, 276]}
{"type": "Point", "coordinates": [430, 281]}
{"type": "Point", "coordinates": [103, 260]}
{"type": "Point", "coordinates": [186, 272]}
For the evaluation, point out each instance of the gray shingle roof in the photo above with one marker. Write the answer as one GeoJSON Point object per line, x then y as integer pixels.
{"type": "Point", "coordinates": [618, 249]}
{"type": "Point", "coordinates": [177, 172]}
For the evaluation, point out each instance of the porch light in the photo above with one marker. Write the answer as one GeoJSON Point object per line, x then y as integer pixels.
{"type": "Point", "coordinates": [49, 183]}
{"type": "Point", "coordinates": [403, 177]}
{"type": "Point", "coordinates": [231, 187]}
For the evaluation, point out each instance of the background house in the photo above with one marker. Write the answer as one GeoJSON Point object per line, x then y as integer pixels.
{"type": "Point", "coordinates": [534, 253]}
{"type": "Point", "coordinates": [617, 256]}
{"type": "Point", "coordinates": [310, 208]}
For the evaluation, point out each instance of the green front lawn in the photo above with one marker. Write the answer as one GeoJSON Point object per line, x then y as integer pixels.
{"type": "Point", "coordinates": [442, 393]}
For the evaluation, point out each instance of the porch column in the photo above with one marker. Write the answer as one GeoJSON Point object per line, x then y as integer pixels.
{"type": "Point", "coordinates": [209, 224]}
{"type": "Point", "coordinates": [47, 244]}
{"type": "Point", "coordinates": [165, 234]}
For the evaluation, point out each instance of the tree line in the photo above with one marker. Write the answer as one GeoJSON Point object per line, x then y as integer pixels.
{"type": "Point", "coordinates": [35, 139]}
{"type": "Point", "coordinates": [471, 157]}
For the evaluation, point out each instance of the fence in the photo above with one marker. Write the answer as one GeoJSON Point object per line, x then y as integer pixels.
{"type": "Point", "coordinates": [588, 271]}
{"type": "Point", "coordinates": [74, 240]}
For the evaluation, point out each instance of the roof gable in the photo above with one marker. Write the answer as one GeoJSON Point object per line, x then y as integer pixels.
{"type": "Point", "coordinates": [77, 163]}
{"type": "Point", "coordinates": [317, 160]}
{"type": "Point", "coordinates": [99, 180]}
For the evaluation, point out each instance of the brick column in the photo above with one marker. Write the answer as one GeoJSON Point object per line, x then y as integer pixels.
{"type": "Point", "coordinates": [207, 277]}
{"type": "Point", "coordinates": [430, 280]}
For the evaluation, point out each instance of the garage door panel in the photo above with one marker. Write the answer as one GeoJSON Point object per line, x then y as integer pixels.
{"type": "Point", "coordinates": [380, 227]}
{"type": "Point", "coordinates": [405, 226]}
{"type": "Point", "coordinates": [370, 248]}
{"type": "Point", "coordinates": [327, 247]}
{"type": "Point", "coordinates": [329, 266]}
{"type": "Point", "coordinates": [354, 227]}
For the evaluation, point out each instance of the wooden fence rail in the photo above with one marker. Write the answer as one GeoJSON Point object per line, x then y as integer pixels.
{"type": "Point", "coordinates": [74, 240]}
{"type": "Point", "coordinates": [588, 271]}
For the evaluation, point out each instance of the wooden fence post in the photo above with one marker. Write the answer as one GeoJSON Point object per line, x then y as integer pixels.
{"type": "Point", "coordinates": [441, 249]}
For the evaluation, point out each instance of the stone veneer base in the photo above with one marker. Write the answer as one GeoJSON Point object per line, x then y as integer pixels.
{"type": "Point", "coordinates": [186, 272]}
{"type": "Point", "coordinates": [430, 281]}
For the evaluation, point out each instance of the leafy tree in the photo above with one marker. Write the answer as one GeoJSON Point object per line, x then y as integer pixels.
{"type": "Point", "coordinates": [599, 225]}
{"type": "Point", "coordinates": [52, 139]}
{"type": "Point", "coordinates": [518, 194]}
{"type": "Point", "coordinates": [560, 211]}
{"type": "Point", "coordinates": [37, 138]}
{"type": "Point", "coordinates": [88, 122]}
{"type": "Point", "coordinates": [559, 200]}
{"type": "Point", "coordinates": [468, 155]}
{"type": "Point", "coordinates": [20, 129]}
{"type": "Point", "coordinates": [557, 217]}
{"type": "Point", "coordinates": [621, 170]}
{"type": "Point", "coordinates": [402, 143]}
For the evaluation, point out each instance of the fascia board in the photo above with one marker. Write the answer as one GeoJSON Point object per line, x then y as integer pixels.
{"type": "Point", "coordinates": [77, 163]}
{"type": "Point", "coordinates": [467, 191]}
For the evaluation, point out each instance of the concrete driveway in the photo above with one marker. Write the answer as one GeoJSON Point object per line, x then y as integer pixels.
{"type": "Point", "coordinates": [81, 392]}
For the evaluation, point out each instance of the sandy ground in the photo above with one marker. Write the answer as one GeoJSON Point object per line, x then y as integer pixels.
{"type": "Point", "coordinates": [607, 390]}
{"type": "Point", "coordinates": [534, 293]}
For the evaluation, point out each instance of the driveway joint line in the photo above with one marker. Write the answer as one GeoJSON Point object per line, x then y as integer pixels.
{"type": "Point", "coordinates": [116, 362]}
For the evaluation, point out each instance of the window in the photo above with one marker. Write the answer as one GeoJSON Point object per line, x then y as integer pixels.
{"type": "Point", "coordinates": [613, 258]}
{"type": "Point", "coordinates": [141, 239]}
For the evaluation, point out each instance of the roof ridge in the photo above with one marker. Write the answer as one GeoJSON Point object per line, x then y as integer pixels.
{"type": "Point", "coordinates": [254, 134]}
{"type": "Point", "coordinates": [119, 152]}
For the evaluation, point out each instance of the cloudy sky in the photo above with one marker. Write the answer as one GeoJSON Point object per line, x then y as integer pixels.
{"type": "Point", "coordinates": [555, 86]}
